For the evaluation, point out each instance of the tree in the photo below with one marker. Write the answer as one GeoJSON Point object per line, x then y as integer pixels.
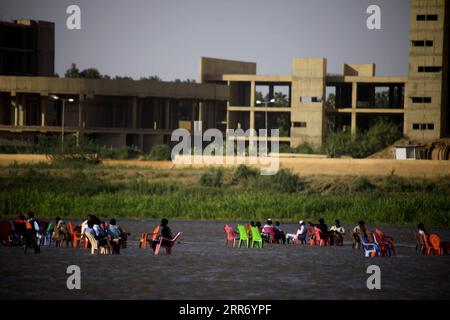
{"type": "Point", "coordinates": [331, 101]}
{"type": "Point", "coordinates": [72, 72]}
{"type": "Point", "coordinates": [151, 78]}
{"type": "Point", "coordinates": [280, 99]}
{"type": "Point", "coordinates": [90, 73]}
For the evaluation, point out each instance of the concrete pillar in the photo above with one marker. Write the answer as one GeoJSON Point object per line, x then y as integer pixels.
{"type": "Point", "coordinates": [22, 111]}
{"type": "Point", "coordinates": [14, 105]}
{"type": "Point", "coordinates": [134, 112]}
{"type": "Point", "coordinates": [354, 104]}
{"type": "Point", "coordinates": [168, 115]}
{"type": "Point", "coordinates": [193, 115]}
{"type": "Point", "coordinates": [44, 101]}
{"type": "Point", "coordinates": [252, 104]}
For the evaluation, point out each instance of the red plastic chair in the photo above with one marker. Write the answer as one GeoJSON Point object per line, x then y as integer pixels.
{"type": "Point", "coordinates": [5, 232]}
{"type": "Point", "coordinates": [144, 237]}
{"type": "Point", "coordinates": [435, 242]}
{"type": "Point", "coordinates": [270, 232]}
{"type": "Point", "coordinates": [385, 247]}
{"type": "Point", "coordinates": [312, 235]}
{"type": "Point", "coordinates": [75, 236]}
{"type": "Point", "coordinates": [231, 235]}
{"type": "Point", "coordinates": [425, 246]}
{"type": "Point", "coordinates": [321, 239]}
{"type": "Point", "coordinates": [167, 243]}
{"type": "Point", "coordinates": [382, 238]}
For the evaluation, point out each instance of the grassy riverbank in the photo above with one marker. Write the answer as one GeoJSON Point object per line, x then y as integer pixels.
{"type": "Point", "coordinates": [74, 190]}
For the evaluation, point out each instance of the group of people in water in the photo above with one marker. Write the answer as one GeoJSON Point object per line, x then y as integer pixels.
{"type": "Point", "coordinates": [272, 232]}
{"type": "Point", "coordinates": [31, 233]}
{"type": "Point", "coordinates": [334, 236]}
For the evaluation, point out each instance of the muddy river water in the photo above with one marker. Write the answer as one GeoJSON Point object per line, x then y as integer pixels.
{"type": "Point", "coordinates": [201, 267]}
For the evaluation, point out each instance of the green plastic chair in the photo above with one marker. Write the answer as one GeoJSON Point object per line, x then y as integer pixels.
{"type": "Point", "coordinates": [256, 237]}
{"type": "Point", "coordinates": [243, 236]}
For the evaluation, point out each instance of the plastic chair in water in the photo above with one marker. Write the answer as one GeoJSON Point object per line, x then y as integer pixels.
{"type": "Point", "coordinates": [256, 237]}
{"type": "Point", "coordinates": [321, 239]}
{"type": "Point", "coordinates": [270, 233]}
{"type": "Point", "coordinates": [312, 236]}
{"type": "Point", "coordinates": [382, 238]}
{"type": "Point", "coordinates": [167, 243]}
{"type": "Point", "coordinates": [435, 242]}
{"type": "Point", "coordinates": [425, 247]}
{"type": "Point", "coordinates": [371, 249]}
{"type": "Point", "coordinates": [385, 247]}
{"type": "Point", "coordinates": [105, 249]}
{"type": "Point", "coordinates": [231, 235]}
{"type": "Point", "coordinates": [243, 236]}
{"type": "Point", "coordinates": [75, 236]}
{"type": "Point", "coordinates": [145, 237]}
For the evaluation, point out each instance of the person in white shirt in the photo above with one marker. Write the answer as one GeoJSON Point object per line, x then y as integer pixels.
{"type": "Point", "coordinates": [337, 234]}
{"type": "Point", "coordinates": [302, 231]}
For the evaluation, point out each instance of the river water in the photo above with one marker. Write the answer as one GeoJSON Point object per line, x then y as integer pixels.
{"type": "Point", "coordinates": [201, 267]}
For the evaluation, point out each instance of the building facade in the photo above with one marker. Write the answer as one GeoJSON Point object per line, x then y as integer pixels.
{"type": "Point", "coordinates": [305, 105]}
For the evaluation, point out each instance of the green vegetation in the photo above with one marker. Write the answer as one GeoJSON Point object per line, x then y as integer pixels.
{"type": "Point", "coordinates": [303, 148]}
{"type": "Point", "coordinates": [159, 152]}
{"type": "Point", "coordinates": [231, 194]}
{"type": "Point", "coordinates": [381, 135]}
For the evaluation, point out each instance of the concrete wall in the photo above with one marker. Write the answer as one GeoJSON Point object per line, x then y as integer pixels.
{"type": "Point", "coordinates": [308, 81]}
{"type": "Point", "coordinates": [358, 69]}
{"type": "Point", "coordinates": [90, 87]}
{"type": "Point", "coordinates": [211, 69]}
{"type": "Point", "coordinates": [420, 84]}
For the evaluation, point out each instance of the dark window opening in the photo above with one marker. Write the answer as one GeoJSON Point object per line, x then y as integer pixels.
{"type": "Point", "coordinates": [422, 43]}
{"type": "Point", "coordinates": [427, 17]}
{"type": "Point", "coordinates": [423, 126]}
{"type": "Point", "coordinates": [421, 99]}
{"type": "Point", "coordinates": [300, 124]}
{"type": "Point", "coordinates": [429, 69]}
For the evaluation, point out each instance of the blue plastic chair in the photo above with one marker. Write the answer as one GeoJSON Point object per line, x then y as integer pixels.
{"type": "Point", "coordinates": [370, 247]}
{"type": "Point", "coordinates": [384, 247]}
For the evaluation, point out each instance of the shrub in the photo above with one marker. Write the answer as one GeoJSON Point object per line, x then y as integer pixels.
{"type": "Point", "coordinates": [362, 184]}
{"type": "Point", "coordinates": [379, 136]}
{"type": "Point", "coordinates": [122, 153]}
{"type": "Point", "coordinates": [159, 152]}
{"type": "Point", "coordinates": [283, 181]}
{"type": "Point", "coordinates": [305, 148]}
{"type": "Point", "coordinates": [212, 178]}
{"type": "Point", "coordinates": [243, 173]}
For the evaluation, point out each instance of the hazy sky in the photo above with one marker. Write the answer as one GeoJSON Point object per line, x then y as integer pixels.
{"type": "Point", "coordinates": [167, 37]}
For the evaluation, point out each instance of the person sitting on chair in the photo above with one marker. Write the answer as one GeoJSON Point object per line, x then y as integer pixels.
{"type": "Point", "coordinates": [279, 234]}
{"type": "Point", "coordinates": [164, 232]}
{"type": "Point", "coordinates": [322, 227]}
{"type": "Point", "coordinates": [61, 232]}
{"type": "Point", "coordinates": [300, 235]}
{"type": "Point", "coordinates": [118, 236]}
{"type": "Point", "coordinates": [358, 232]}
{"type": "Point", "coordinates": [337, 234]}
{"type": "Point", "coordinates": [266, 230]}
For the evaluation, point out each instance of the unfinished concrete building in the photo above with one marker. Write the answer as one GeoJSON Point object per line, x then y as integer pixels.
{"type": "Point", "coordinates": [304, 105]}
